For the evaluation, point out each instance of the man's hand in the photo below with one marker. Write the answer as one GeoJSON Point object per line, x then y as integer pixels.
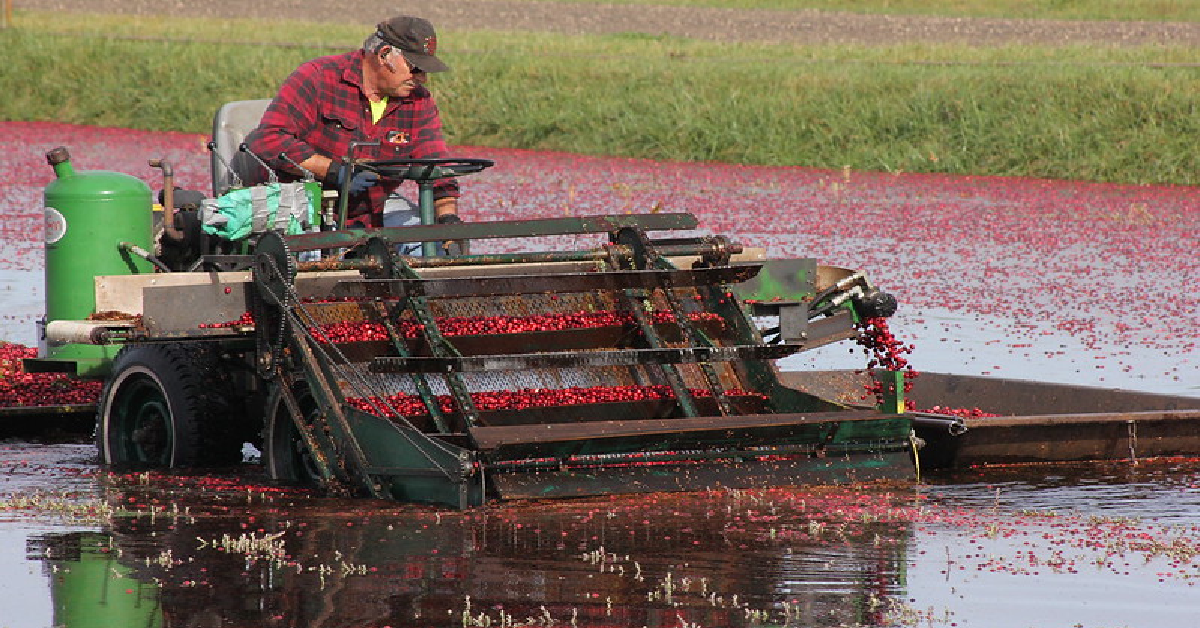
{"type": "Point", "coordinates": [453, 247]}
{"type": "Point", "coordinates": [335, 178]}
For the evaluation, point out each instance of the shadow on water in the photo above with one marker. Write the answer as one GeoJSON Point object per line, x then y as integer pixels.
{"type": "Point", "coordinates": [208, 552]}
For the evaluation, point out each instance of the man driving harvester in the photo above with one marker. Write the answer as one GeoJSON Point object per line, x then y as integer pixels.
{"type": "Point", "coordinates": [376, 94]}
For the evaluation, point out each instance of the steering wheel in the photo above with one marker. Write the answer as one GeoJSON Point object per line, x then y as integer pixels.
{"type": "Point", "coordinates": [426, 169]}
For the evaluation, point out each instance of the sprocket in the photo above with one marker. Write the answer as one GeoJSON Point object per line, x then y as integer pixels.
{"type": "Point", "coordinates": [274, 277]}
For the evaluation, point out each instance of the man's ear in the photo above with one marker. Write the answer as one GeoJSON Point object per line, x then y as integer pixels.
{"type": "Point", "coordinates": [383, 55]}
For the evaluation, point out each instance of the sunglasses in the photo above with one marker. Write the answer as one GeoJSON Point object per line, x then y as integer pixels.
{"type": "Point", "coordinates": [412, 69]}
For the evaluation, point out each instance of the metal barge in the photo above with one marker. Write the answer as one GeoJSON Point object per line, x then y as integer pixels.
{"type": "Point", "coordinates": [1039, 422]}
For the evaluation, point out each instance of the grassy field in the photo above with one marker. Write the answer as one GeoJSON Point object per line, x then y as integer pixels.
{"type": "Point", "coordinates": [1152, 10]}
{"type": "Point", "coordinates": [1085, 112]}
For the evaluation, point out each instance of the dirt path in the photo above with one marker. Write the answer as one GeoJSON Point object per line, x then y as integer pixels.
{"type": "Point", "coordinates": [700, 23]}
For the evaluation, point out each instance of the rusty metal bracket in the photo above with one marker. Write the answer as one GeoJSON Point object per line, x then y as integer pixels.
{"type": "Point", "coordinates": [645, 257]}
{"type": "Point", "coordinates": [330, 482]}
{"type": "Point", "coordinates": [382, 254]}
{"type": "Point", "coordinates": [438, 345]}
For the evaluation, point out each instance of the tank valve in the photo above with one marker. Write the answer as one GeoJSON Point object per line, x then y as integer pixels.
{"type": "Point", "coordinates": [58, 155]}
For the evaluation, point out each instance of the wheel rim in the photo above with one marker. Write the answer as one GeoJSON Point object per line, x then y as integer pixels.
{"type": "Point", "coordinates": [292, 460]}
{"type": "Point", "coordinates": [303, 463]}
{"type": "Point", "coordinates": [141, 420]}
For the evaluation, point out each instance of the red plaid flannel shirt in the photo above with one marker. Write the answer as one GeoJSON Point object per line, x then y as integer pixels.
{"type": "Point", "coordinates": [321, 108]}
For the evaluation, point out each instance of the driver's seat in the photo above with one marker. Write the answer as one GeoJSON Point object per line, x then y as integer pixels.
{"type": "Point", "coordinates": [232, 123]}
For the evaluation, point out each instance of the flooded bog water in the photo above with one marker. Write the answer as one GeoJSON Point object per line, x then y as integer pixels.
{"type": "Point", "coordinates": [1091, 546]}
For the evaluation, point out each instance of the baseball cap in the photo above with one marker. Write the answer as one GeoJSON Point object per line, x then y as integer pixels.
{"type": "Point", "coordinates": [415, 39]}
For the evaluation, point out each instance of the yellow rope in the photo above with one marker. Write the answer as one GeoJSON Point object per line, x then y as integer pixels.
{"type": "Point", "coordinates": [912, 440]}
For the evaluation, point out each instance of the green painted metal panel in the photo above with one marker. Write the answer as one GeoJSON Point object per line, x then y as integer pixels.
{"type": "Point", "coordinates": [414, 467]}
{"type": "Point", "coordinates": [781, 280]}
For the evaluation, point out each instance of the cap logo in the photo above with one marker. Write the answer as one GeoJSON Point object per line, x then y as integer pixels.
{"type": "Point", "coordinates": [413, 36]}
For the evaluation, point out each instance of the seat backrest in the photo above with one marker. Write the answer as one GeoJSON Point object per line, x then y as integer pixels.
{"type": "Point", "coordinates": [233, 122]}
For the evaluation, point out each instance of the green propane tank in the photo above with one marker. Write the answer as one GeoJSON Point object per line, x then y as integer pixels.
{"type": "Point", "coordinates": [88, 215]}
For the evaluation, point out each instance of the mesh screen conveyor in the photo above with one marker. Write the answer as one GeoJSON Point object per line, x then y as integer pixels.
{"type": "Point", "coordinates": [525, 376]}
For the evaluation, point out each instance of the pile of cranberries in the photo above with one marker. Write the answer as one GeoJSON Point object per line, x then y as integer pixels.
{"type": "Point", "coordinates": [525, 398]}
{"type": "Point", "coordinates": [358, 331]}
{"type": "Point", "coordinates": [966, 413]}
{"type": "Point", "coordinates": [247, 320]}
{"type": "Point", "coordinates": [21, 389]}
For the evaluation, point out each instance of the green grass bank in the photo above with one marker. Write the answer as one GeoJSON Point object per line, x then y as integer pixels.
{"type": "Point", "coordinates": [1126, 115]}
{"type": "Point", "coordinates": [1149, 10]}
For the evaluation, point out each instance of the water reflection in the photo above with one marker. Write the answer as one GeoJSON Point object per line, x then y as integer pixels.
{"type": "Point", "coordinates": [91, 587]}
{"type": "Point", "coordinates": [1015, 547]}
{"type": "Point", "coordinates": [1162, 489]}
{"type": "Point", "coordinates": [200, 552]}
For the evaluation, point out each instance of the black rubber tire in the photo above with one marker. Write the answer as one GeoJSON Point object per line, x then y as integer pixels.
{"type": "Point", "coordinates": [284, 452]}
{"type": "Point", "coordinates": [162, 407]}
